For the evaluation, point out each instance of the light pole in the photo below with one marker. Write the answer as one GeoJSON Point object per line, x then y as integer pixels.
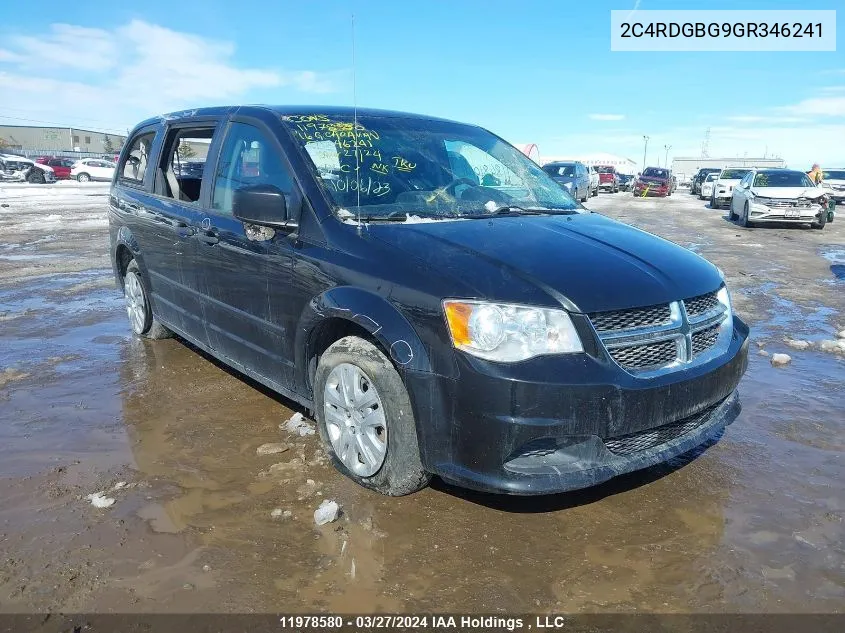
{"type": "Point", "coordinates": [645, 149]}
{"type": "Point", "coordinates": [666, 158]}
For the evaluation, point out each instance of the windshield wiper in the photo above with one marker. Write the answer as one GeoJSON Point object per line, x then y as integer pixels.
{"type": "Point", "coordinates": [514, 210]}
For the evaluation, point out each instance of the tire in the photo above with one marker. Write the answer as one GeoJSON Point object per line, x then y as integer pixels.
{"type": "Point", "coordinates": [83, 178]}
{"type": "Point", "coordinates": [713, 202]}
{"type": "Point", "coordinates": [138, 309]}
{"type": "Point", "coordinates": [821, 222]}
{"type": "Point", "coordinates": [731, 215]}
{"type": "Point", "coordinates": [36, 177]}
{"type": "Point", "coordinates": [744, 222]}
{"type": "Point", "coordinates": [400, 471]}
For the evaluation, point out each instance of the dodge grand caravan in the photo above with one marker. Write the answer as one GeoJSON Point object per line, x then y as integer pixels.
{"type": "Point", "coordinates": [437, 300]}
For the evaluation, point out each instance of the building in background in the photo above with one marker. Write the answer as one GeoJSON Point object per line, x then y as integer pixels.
{"type": "Point", "coordinates": [622, 164]}
{"type": "Point", "coordinates": [684, 168]}
{"type": "Point", "coordinates": [49, 140]}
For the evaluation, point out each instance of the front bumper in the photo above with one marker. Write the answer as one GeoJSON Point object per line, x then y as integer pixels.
{"type": "Point", "coordinates": [564, 423]}
{"type": "Point", "coordinates": [762, 213]}
{"type": "Point", "coordinates": [651, 192]}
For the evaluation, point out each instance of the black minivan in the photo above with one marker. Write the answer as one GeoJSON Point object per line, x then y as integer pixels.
{"type": "Point", "coordinates": [439, 302]}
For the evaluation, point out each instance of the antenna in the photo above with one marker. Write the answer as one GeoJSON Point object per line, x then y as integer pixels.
{"type": "Point", "coordinates": [355, 127]}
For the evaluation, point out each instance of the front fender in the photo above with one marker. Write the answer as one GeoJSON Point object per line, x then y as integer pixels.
{"type": "Point", "coordinates": [373, 313]}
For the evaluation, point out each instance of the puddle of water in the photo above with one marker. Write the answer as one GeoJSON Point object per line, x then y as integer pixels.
{"type": "Point", "coordinates": [836, 258]}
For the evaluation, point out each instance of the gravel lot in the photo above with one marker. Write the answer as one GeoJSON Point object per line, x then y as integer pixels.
{"type": "Point", "coordinates": [753, 522]}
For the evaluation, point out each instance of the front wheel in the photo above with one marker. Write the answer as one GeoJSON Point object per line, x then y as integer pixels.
{"type": "Point", "coordinates": [744, 222]}
{"type": "Point", "coordinates": [819, 224]}
{"type": "Point", "coordinates": [365, 418]}
{"type": "Point", "coordinates": [83, 177]}
{"type": "Point", "coordinates": [36, 177]}
{"type": "Point", "coordinates": [138, 307]}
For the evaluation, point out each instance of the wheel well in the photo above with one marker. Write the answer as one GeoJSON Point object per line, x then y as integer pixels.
{"type": "Point", "coordinates": [328, 332]}
{"type": "Point", "coordinates": [123, 256]}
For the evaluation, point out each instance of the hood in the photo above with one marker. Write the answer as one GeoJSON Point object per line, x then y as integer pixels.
{"type": "Point", "coordinates": [587, 260]}
{"type": "Point", "coordinates": [790, 193]}
{"type": "Point", "coordinates": [564, 179]}
{"type": "Point", "coordinates": [838, 182]}
{"type": "Point", "coordinates": [729, 182]}
{"type": "Point", "coordinates": [46, 168]}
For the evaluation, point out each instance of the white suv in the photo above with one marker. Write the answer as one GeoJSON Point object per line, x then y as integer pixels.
{"type": "Point", "coordinates": [728, 178]}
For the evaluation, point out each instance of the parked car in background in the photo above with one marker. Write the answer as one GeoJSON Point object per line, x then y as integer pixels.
{"type": "Point", "coordinates": [723, 187]}
{"type": "Point", "coordinates": [14, 168]}
{"type": "Point", "coordinates": [778, 195]}
{"type": "Point", "coordinates": [594, 180]}
{"type": "Point", "coordinates": [834, 183]}
{"type": "Point", "coordinates": [700, 175]}
{"type": "Point", "coordinates": [92, 169]}
{"type": "Point", "coordinates": [573, 176]}
{"type": "Point", "coordinates": [607, 178]}
{"type": "Point", "coordinates": [497, 335]}
{"type": "Point", "coordinates": [707, 185]}
{"type": "Point", "coordinates": [626, 181]}
{"type": "Point", "coordinates": [61, 166]}
{"type": "Point", "coordinates": [653, 181]}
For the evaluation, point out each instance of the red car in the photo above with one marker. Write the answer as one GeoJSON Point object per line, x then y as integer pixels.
{"type": "Point", "coordinates": [608, 179]}
{"type": "Point", "coordinates": [654, 181]}
{"type": "Point", "coordinates": [61, 166]}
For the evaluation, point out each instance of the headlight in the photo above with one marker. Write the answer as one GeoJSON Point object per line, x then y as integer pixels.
{"type": "Point", "coordinates": [509, 333]}
{"type": "Point", "coordinates": [724, 297]}
{"type": "Point", "coordinates": [568, 185]}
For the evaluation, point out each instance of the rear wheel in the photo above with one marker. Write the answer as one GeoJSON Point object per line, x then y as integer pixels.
{"type": "Point", "coordinates": [83, 177]}
{"type": "Point", "coordinates": [138, 307]}
{"type": "Point", "coordinates": [365, 418]}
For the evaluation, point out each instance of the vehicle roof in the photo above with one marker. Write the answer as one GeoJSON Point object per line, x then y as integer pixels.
{"type": "Point", "coordinates": [289, 110]}
{"type": "Point", "coordinates": [562, 162]}
{"type": "Point", "coordinates": [777, 169]}
{"type": "Point", "coordinates": [16, 157]}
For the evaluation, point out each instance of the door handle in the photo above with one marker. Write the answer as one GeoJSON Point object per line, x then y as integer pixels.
{"type": "Point", "coordinates": [208, 237]}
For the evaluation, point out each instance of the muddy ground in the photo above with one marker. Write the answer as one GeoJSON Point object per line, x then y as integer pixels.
{"type": "Point", "coordinates": [753, 522]}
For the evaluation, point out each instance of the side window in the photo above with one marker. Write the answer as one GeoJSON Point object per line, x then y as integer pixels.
{"type": "Point", "coordinates": [179, 174]}
{"type": "Point", "coordinates": [134, 164]}
{"type": "Point", "coordinates": [248, 157]}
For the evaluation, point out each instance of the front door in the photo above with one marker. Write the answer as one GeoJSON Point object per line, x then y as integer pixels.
{"type": "Point", "coordinates": [246, 276]}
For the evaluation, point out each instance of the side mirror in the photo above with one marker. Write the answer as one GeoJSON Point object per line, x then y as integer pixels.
{"type": "Point", "coordinates": [264, 205]}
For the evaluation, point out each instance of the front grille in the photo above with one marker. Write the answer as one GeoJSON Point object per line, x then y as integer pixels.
{"type": "Point", "coordinates": [705, 339]}
{"type": "Point", "coordinates": [789, 204]}
{"type": "Point", "coordinates": [634, 318]}
{"type": "Point", "coordinates": [645, 440]}
{"type": "Point", "coordinates": [701, 304]}
{"type": "Point", "coordinates": [645, 356]}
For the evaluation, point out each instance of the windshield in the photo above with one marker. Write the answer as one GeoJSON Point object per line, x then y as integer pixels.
{"type": "Point", "coordinates": [834, 174]}
{"type": "Point", "coordinates": [655, 172]}
{"type": "Point", "coordinates": [712, 177]}
{"type": "Point", "coordinates": [782, 179]}
{"type": "Point", "coordinates": [560, 170]}
{"type": "Point", "coordinates": [415, 166]}
{"type": "Point", "coordinates": [734, 174]}
{"type": "Point", "coordinates": [605, 170]}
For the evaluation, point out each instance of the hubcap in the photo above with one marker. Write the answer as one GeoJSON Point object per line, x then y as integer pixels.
{"type": "Point", "coordinates": [355, 421]}
{"type": "Point", "coordinates": [136, 306]}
